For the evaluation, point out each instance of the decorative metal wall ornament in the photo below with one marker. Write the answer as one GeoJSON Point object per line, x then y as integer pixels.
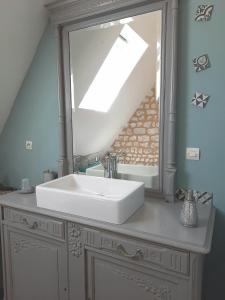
{"type": "Point", "coordinates": [201, 63]}
{"type": "Point", "coordinates": [180, 194]}
{"type": "Point", "coordinates": [200, 100]}
{"type": "Point", "coordinates": [201, 197]}
{"type": "Point", "coordinates": [204, 13]}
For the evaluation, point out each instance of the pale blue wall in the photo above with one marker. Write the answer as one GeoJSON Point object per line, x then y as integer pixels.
{"type": "Point", "coordinates": [204, 128]}
{"type": "Point", "coordinates": [35, 116]}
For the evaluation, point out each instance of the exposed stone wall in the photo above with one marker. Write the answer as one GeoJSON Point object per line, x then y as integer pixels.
{"type": "Point", "coordinates": [140, 138]}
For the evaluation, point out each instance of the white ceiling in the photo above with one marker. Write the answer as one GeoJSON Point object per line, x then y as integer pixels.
{"type": "Point", "coordinates": [22, 23]}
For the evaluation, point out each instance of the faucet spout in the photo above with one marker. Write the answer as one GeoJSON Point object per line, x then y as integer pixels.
{"type": "Point", "coordinates": [110, 165]}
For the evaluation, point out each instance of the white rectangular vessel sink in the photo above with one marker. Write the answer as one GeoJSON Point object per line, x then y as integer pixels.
{"type": "Point", "coordinates": [149, 175]}
{"type": "Point", "coordinates": [103, 199]}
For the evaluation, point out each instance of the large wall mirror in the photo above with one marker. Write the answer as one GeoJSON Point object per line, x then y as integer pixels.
{"type": "Point", "coordinates": [115, 97]}
{"type": "Point", "coordinates": [117, 69]}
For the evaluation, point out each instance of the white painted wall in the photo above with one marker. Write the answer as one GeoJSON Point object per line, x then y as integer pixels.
{"type": "Point", "coordinates": [94, 131]}
{"type": "Point", "coordinates": [22, 23]}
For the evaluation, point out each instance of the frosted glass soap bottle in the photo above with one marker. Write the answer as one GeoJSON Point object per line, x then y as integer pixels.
{"type": "Point", "coordinates": [189, 212]}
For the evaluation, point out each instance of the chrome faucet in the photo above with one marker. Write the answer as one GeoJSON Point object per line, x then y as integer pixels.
{"type": "Point", "coordinates": [109, 163]}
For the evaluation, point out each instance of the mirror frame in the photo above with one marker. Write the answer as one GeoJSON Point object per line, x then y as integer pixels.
{"type": "Point", "coordinates": [69, 15]}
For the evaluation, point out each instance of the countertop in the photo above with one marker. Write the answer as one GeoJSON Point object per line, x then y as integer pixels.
{"type": "Point", "coordinates": [157, 221]}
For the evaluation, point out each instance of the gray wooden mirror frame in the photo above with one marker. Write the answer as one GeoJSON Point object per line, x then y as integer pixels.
{"type": "Point", "coordinates": [68, 15]}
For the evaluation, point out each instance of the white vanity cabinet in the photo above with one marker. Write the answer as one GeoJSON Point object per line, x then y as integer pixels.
{"type": "Point", "coordinates": [50, 255]}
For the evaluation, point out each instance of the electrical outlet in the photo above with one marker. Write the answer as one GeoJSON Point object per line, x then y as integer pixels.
{"type": "Point", "coordinates": [193, 153]}
{"type": "Point", "coordinates": [29, 145]}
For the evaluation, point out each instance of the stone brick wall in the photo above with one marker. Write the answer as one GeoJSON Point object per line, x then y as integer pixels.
{"type": "Point", "coordinates": [140, 138]}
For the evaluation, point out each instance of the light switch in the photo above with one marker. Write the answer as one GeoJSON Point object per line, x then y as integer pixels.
{"type": "Point", "coordinates": [193, 153]}
{"type": "Point", "coordinates": [29, 145]}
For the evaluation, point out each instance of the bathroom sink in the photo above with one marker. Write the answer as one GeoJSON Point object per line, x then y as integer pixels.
{"type": "Point", "coordinates": [103, 199]}
{"type": "Point", "coordinates": [149, 175]}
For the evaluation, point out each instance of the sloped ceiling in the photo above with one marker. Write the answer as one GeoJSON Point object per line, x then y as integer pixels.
{"type": "Point", "coordinates": [22, 23]}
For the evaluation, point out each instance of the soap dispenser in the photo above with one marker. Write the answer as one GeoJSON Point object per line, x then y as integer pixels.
{"type": "Point", "coordinates": [189, 212]}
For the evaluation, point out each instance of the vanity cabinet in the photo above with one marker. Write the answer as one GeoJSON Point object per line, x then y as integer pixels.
{"type": "Point", "coordinates": [55, 258]}
{"type": "Point", "coordinates": [107, 266]}
{"type": "Point", "coordinates": [35, 263]}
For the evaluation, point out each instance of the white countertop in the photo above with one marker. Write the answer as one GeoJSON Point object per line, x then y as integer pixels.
{"type": "Point", "coordinates": [157, 221]}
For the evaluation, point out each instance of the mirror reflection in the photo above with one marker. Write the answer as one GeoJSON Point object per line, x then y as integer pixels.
{"type": "Point", "coordinates": [115, 95]}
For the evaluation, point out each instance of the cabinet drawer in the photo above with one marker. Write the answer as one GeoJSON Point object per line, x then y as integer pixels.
{"type": "Point", "coordinates": [168, 258]}
{"type": "Point", "coordinates": [143, 253]}
{"type": "Point", "coordinates": [35, 223]}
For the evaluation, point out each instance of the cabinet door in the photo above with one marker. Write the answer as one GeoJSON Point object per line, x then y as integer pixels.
{"type": "Point", "coordinates": [111, 278]}
{"type": "Point", "coordinates": [35, 267]}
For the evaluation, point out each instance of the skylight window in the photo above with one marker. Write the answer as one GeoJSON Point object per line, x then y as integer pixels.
{"type": "Point", "coordinates": [126, 52]}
